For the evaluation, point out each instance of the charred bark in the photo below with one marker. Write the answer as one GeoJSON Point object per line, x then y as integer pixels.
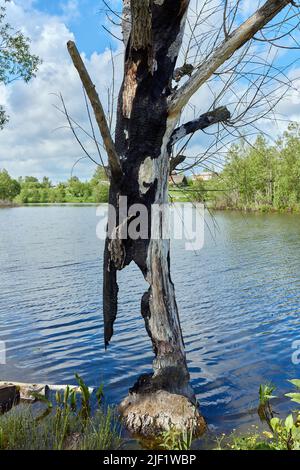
{"type": "Point", "coordinates": [221, 114]}
{"type": "Point", "coordinates": [143, 131]}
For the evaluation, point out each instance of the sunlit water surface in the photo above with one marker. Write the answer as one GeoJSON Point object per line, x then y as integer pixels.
{"type": "Point", "coordinates": [239, 299]}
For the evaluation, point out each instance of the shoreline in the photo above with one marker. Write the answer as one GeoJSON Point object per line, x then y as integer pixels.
{"type": "Point", "coordinates": [210, 207]}
{"type": "Point", "coordinates": [7, 204]}
{"type": "Point", "coordinates": [250, 210]}
{"type": "Point", "coordinates": [256, 210]}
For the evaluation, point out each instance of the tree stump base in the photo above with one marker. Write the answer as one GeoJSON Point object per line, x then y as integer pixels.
{"type": "Point", "coordinates": [150, 414]}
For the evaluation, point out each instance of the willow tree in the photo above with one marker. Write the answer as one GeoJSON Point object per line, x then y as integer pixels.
{"type": "Point", "coordinates": [140, 156]}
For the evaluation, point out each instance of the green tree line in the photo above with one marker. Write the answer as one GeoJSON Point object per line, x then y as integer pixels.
{"type": "Point", "coordinates": [30, 190]}
{"type": "Point", "coordinates": [259, 176]}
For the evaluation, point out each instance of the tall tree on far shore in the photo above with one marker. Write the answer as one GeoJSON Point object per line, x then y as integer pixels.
{"type": "Point", "coordinates": [9, 187]}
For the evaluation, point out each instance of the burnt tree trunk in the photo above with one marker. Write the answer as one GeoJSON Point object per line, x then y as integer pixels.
{"type": "Point", "coordinates": [143, 132]}
{"type": "Point", "coordinates": [139, 163]}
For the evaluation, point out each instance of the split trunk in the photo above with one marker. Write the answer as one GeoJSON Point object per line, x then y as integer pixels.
{"type": "Point", "coordinates": [143, 135]}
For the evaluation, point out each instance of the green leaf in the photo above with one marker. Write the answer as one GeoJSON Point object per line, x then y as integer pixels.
{"type": "Point", "coordinates": [265, 393]}
{"type": "Point", "coordinates": [294, 397]}
{"type": "Point", "coordinates": [295, 382]}
{"type": "Point", "coordinates": [73, 399]}
{"type": "Point", "coordinates": [66, 395]}
{"type": "Point", "coordinates": [296, 434]}
{"type": "Point", "coordinates": [100, 394]}
{"type": "Point", "coordinates": [42, 398]}
{"type": "Point", "coordinates": [274, 423]}
{"type": "Point", "coordinates": [58, 398]}
{"type": "Point", "coordinates": [289, 422]}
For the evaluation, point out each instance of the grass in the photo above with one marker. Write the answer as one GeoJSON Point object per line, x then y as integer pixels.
{"type": "Point", "coordinates": [254, 440]}
{"type": "Point", "coordinates": [20, 429]}
{"type": "Point", "coordinates": [66, 425]}
{"type": "Point", "coordinates": [176, 440]}
{"type": "Point", "coordinates": [179, 195]}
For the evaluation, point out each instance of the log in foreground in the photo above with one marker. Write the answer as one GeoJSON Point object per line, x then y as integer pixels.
{"type": "Point", "coordinates": [30, 392]}
{"type": "Point", "coordinates": [9, 396]}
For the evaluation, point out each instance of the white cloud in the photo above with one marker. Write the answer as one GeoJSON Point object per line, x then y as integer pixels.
{"type": "Point", "coordinates": [70, 9]}
{"type": "Point", "coordinates": [30, 144]}
{"type": "Point", "coordinates": [248, 7]}
{"type": "Point", "coordinates": [34, 142]}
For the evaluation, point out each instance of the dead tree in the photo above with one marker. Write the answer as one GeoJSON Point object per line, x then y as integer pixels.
{"type": "Point", "coordinates": [149, 110]}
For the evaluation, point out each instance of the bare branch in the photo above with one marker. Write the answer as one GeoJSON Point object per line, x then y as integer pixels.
{"type": "Point", "coordinates": [205, 120]}
{"type": "Point", "coordinates": [93, 131]}
{"type": "Point", "coordinates": [176, 161]}
{"type": "Point", "coordinates": [74, 132]}
{"type": "Point", "coordinates": [224, 51]}
{"type": "Point", "coordinates": [111, 34]}
{"type": "Point", "coordinates": [113, 158]}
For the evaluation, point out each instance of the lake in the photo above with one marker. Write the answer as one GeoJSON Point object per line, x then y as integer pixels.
{"type": "Point", "coordinates": [239, 299]}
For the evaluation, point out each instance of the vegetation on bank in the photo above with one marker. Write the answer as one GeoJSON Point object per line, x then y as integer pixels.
{"type": "Point", "coordinates": [65, 425]}
{"type": "Point", "coordinates": [260, 176]}
{"type": "Point", "coordinates": [20, 429]}
{"type": "Point", "coordinates": [254, 177]}
{"type": "Point", "coordinates": [29, 190]}
{"type": "Point", "coordinates": [70, 425]}
{"type": "Point", "coordinates": [280, 434]}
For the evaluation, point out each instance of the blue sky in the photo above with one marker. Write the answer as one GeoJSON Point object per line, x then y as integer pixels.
{"type": "Point", "coordinates": [85, 22]}
{"type": "Point", "coordinates": [37, 141]}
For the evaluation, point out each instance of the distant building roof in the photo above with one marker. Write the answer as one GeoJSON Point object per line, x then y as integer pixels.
{"type": "Point", "coordinates": [177, 180]}
{"type": "Point", "coordinates": [204, 175]}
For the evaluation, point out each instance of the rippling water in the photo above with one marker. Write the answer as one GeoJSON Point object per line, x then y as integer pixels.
{"type": "Point", "coordinates": [239, 299]}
